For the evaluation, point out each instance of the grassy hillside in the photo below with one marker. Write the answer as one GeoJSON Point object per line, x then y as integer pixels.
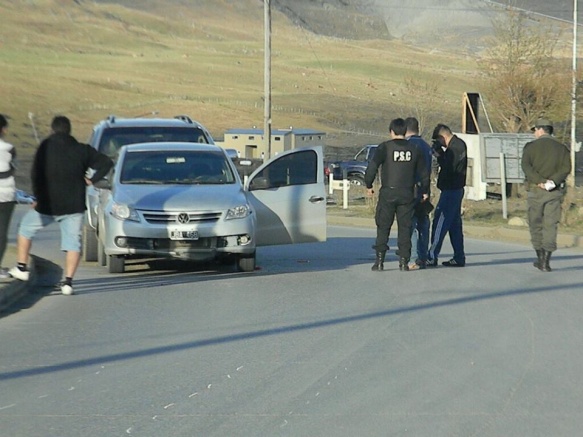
{"type": "Point", "coordinates": [88, 59]}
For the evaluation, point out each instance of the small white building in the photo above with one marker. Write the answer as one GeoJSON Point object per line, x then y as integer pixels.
{"type": "Point", "coordinates": [250, 143]}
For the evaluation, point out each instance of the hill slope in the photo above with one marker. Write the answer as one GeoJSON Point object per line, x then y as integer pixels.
{"type": "Point", "coordinates": [89, 59]}
{"type": "Point", "coordinates": [336, 64]}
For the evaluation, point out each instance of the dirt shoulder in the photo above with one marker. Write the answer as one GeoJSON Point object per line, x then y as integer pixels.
{"type": "Point", "coordinates": [482, 219]}
{"type": "Point", "coordinates": [471, 230]}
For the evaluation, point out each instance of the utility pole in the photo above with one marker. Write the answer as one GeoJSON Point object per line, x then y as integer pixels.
{"type": "Point", "coordinates": [574, 97]}
{"type": "Point", "coordinates": [267, 80]}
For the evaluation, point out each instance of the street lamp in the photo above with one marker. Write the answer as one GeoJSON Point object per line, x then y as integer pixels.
{"type": "Point", "coordinates": [574, 96]}
{"type": "Point", "coordinates": [267, 79]}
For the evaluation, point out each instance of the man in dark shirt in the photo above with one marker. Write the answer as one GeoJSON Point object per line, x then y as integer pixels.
{"type": "Point", "coordinates": [452, 157]}
{"type": "Point", "coordinates": [59, 180]}
{"type": "Point", "coordinates": [402, 165]}
{"type": "Point", "coordinates": [546, 164]}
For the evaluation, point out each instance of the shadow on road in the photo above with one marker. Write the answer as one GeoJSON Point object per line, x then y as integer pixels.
{"type": "Point", "coordinates": [282, 330]}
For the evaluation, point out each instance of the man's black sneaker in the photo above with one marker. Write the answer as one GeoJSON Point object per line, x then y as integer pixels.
{"type": "Point", "coordinates": [431, 263]}
{"type": "Point", "coordinates": [453, 263]}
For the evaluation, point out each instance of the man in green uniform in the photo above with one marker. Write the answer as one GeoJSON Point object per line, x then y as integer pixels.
{"type": "Point", "coordinates": [546, 163]}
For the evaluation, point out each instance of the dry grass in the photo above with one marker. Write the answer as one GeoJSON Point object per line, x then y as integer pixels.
{"type": "Point", "coordinates": [487, 212]}
{"type": "Point", "coordinates": [88, 59]}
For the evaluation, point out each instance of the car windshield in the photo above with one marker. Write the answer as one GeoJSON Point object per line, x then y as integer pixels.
{"type": "Point", "coordinates": [116, 137]}
{"type": "Point", "coordinates": [176, 167]}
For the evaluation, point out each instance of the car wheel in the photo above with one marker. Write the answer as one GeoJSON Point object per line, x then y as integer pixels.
{"type": "Point", "coordinates": [89, 243]}
{"type": "Point", "coordinates": [116, 264]}
{"type": "Point", "coordinates": [101, 256]}
{"type": "Point", "coordinates": [356, 180]}
{"type": "Point", "coordinates": [246, 263]}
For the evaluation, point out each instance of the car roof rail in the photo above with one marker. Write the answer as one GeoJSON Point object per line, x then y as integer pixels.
{"type": "Point", "coordinates": [110, 118]}
{"type": "Point", "coordinates": [184, 118]}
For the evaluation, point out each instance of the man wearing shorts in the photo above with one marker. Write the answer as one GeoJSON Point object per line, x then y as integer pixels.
{"type": "Point", "coordinates": [58, 182]}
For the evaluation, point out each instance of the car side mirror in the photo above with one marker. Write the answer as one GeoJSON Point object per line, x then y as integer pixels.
{"type": "Point", "coordinates": [259, 183]}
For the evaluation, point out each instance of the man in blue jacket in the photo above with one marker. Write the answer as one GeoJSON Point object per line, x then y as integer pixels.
{"type": "Point", "coordinates": [452, 157]}
{"type": "Point", "coordinates": [420, 226]}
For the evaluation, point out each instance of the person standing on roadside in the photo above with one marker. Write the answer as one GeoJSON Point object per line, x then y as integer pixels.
{"type": "Point", "coordinates": [420, 224]}
{"type": "Point", "coordinates": [452, 157]}
{"type": "Point", "coordinates": [59, 180]}
{"type": "Point", "coordinates": [7, 190]}
{"type": "Point", "coordinates": [402, 164]}
{"type": "Point", "coordinates": [546, 163]}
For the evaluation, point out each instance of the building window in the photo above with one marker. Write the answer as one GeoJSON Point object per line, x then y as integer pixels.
{"type": "Point", "coordinates": [251, 137]}
{"type": "Point", "coordinates": [235, 137]}
{"type": "Point", "coordinates": [277, 138]}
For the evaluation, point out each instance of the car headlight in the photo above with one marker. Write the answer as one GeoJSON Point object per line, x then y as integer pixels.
{"type": "Point", "coordinates": [123, 212]}
{"type": "Point", "coordinates": [238, 212]}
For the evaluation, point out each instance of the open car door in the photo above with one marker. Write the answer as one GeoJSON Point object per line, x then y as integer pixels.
{"type": "Point", "coordinates": [289, 197]}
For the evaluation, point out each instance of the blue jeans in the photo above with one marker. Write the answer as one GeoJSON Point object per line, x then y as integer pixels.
{"type": "Point", "coordinates": [419, 238]}
{"type": "Point", "coordinates": [448, 219]}
{"type": "Point", "coordinates": [70, 224]}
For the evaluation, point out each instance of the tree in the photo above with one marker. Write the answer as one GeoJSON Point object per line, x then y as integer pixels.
{"type": "Point", "coordinates": [523, 79]}
{"type": "Point", "coordinates": [423, 101]}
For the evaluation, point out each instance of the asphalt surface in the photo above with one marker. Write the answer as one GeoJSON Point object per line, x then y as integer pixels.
{"type": "Point", "coordinates": [46, 273]}
{"type": "Point", "coordinates": [312, 343]}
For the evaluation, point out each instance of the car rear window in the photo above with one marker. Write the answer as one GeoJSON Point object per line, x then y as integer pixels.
{"type": "Point", "coordinates": [176, 167]}
{"type": "Point", "coordinates": [113, 139]}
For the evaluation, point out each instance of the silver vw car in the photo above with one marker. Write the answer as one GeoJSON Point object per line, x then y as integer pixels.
{"type": "Point", "coordinates": [187, 201]}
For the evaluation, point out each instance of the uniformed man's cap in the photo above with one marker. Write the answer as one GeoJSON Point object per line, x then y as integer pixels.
{"type": "Point", "coordinates": [542, 122]}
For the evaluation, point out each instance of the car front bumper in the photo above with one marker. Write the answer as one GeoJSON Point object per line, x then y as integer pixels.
{"type": "Point", "coordinates": [139, 239]}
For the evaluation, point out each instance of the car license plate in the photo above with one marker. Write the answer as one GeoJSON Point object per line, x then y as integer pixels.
{"type": "Point", "coordinates": [178, 234]}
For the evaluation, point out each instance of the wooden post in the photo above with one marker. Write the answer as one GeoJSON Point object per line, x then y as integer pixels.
{"type": "Point", "coordinates": [503, 186]}
{"type": "Point", "coordinates": [344, 190]}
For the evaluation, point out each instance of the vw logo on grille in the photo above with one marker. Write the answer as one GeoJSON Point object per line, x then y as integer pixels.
{"type": "Point", "coordinates": [183, 218]}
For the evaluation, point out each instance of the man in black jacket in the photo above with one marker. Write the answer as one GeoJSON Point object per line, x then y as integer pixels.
{"type": "Point", "coordinates": [402, 165]}
{"type": "Point", "coordinates": [59, 180]}
{"type": "Point", "coordinates": [452, 157]}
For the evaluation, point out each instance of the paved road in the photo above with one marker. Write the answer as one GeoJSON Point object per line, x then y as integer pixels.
{"type": "Point", "coordinates": [312, 344]}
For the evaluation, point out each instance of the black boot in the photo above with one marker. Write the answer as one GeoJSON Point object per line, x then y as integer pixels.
{"type": "Point", "coordinates": [379, 261]}
{"type": "Point", "coordinates": [545, 263]}
{"type": "Point", "coordinates": [403, 264]}
{"type": "Point", "coordinates": [539, 259]}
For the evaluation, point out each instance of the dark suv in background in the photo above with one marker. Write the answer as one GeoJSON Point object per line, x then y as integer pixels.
{"type": "Point", "coordinates": [111, 134]}
{"type": "Point", "coordinates": [354, 168]}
